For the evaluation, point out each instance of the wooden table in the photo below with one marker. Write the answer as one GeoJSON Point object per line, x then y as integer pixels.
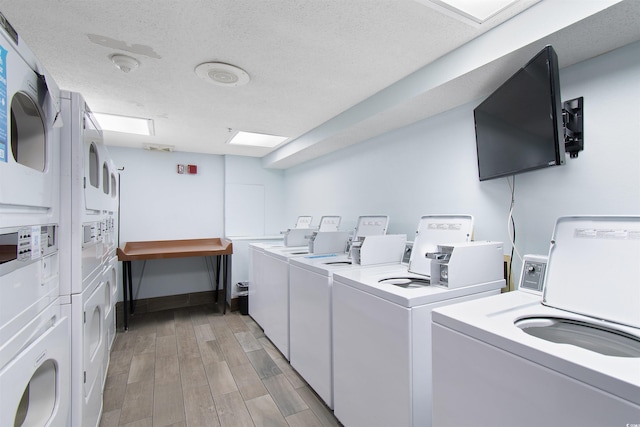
{"type": "Point", "coordinates": [221, 249]}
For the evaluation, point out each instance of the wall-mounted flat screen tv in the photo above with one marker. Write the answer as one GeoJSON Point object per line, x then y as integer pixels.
{"type": "Point", "coordinates": [519, 126]}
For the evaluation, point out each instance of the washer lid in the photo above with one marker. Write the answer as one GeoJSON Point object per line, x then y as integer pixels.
{"type": "Point", "coordinates": [593, 268]}
{"type": "Point", "coordinates": [434, 230]}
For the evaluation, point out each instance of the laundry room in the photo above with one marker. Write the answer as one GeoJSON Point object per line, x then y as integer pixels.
{"type": "Point", "coordinates": [177, 279]}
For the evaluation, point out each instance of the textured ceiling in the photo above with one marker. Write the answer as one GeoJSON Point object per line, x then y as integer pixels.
{"type": "Point", "coordinates": [310, 61]}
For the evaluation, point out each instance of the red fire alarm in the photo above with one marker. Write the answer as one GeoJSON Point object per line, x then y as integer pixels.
{"type": "Point", "coordinates": [193, 169]}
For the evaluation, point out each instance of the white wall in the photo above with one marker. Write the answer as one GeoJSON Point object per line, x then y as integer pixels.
{"type": "Point", "coordinates": [430, 167]}
{"type": "Point", "coordinates": [254, 207]}
{"type": "Point", "coordinates": [245, 176]}
{"type": "Point", "coordinates": [157, 203]}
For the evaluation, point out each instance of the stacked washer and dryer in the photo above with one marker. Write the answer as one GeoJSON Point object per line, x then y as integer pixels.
{"type": "Point", "coordinates": [88, 242]}
{"type": "Point", "coordinates": [34, 332]}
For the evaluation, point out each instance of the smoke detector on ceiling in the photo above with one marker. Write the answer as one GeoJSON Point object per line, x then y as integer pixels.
{"type": "Point", "coordinates": [222, 74]}
{"type": "Point", "coordinates": [125, 63]}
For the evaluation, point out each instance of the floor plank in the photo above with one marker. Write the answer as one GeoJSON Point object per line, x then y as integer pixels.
{"type": "Point", "coordinates": [264, 412]}
{"type": "Point", "coordinates": [199, 408]}
{"type": "Point", "coordinates": [168, 405]}
{"type": "Point", "coordinates": [284, 395]}
{"type": "Point", "coordinates": [248, 381]}
{"type": "Point", "coordinates": [138, 402]}
{"type": "Point", "coordinates": [263, 364]}
{"type": "Point", "coordinates": [220, 379]}
{"type": "Point", "coordinates": [232, 412]}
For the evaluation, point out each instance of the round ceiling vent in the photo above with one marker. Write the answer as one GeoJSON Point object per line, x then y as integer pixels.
{"type": "Point", "coordinates": [222, 74]}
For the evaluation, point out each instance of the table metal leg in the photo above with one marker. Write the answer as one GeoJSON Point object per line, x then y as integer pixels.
{"type": "Point", "coordinates": [126, 289]}
{"type": "Point", "coordinates": [217, 275]}
{"type": "Point", "coordinates": [226, 279]}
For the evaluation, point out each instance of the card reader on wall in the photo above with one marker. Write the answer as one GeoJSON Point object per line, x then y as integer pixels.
{"type": "Point", "coordinates": [469, 263]}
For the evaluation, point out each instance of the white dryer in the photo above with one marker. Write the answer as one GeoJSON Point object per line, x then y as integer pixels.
{"type": "Point", "coordinates": [110, 278]}
{"type": "Point", "coordinates": [34, 384]}
{"type": "Point", "coordinates": [382, 345]}
{"type": "Point", "coordinates": [29, 136]}
{"type": "Point", "coordinates": [88, 352]}
{"type": "Point", "coordinates": [572, 358]}
{"type": "Point", "coordinates": [87, 195]}
{"type": "Point", "coordinates": [34, 336]}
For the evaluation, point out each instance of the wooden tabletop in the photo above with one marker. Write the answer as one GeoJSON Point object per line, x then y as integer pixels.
{"type": "Point", "coordinates": [159, 249]}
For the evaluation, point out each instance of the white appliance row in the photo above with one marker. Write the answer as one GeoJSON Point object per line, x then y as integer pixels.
{"type": "Point", "coordinates": [34, 344]}
{"type": "Point", "coordinates": [269, 276]}
{"type": "Point", "coordinates": [88, 229]}
{"type": "Point", "coordinates": [311, 296]}
{"type": "Point", "coordinates": [58, 237]}
{"type": "Point", "coordinates": [360, 335]}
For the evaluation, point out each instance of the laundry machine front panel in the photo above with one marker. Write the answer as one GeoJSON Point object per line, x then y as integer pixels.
{"type": "Point", "coordinates": [370, 336]}
{"type": "Point", "coordinates": [310, 329]}
{"type": "Point", "coordinates": [34, 386]}
{"type": "Point", "coordinates": [276, 302]}
{"type": "Point", "coordinates": [30, 279]}
{"type": "Point", "coordinates": [471, 377]}
{"type": "Point", "coordinates": [111, 298]}
{"type": "Point", "coordinates": [88, 353]}
{"type": "Point", "coordinates": [95, 197]}
{"type": "Point", "coordinates": [92, 250]}
{"type": "Point", "coordinates": [29, 142]}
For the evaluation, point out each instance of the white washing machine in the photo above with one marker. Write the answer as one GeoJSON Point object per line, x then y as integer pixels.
{"type": "Point", "coordinates": [432, 230]}
{"type": "Point", "coordinates": [275, 299]}
{"type": "Point", "coordinates": [29, 136]}
{"type": "Point", "coordinates": [110, 278]}
{"type": "Point", "coordinates": [275, 280]}
{"type": "Point", "coordinates": [382, 345]}
{"type": "Point", "coordinates": [257, 293]}
{"type": "Point", "coordinates": [34, 337]}
{"type": "Point", "coordinates": [572, 358]}
{"type": "Point", "coordinates": [310, 309]}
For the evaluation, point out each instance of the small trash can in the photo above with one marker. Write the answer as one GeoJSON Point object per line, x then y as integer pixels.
{"type": "Point", "coordinates": [243, 297]}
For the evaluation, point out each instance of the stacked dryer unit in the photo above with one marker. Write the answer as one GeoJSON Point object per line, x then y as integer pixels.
{"type": "Point", "coordinates": [34, 335]}
{"type": "Point", "coordinates": [88, 244]}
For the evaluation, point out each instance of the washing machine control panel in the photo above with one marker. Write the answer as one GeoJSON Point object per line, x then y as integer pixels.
{"type": "Point", "coordinates": [532, 277]}
{"type": "Point", "coordinates": [21, 245]}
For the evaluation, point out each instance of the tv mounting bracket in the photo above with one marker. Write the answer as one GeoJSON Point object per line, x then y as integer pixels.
{"type": "Point", "coordinates": [572, 121]}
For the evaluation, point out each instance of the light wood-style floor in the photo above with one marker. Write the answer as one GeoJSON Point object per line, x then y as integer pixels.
{"type": "Point", "coordinates": [195, 367]}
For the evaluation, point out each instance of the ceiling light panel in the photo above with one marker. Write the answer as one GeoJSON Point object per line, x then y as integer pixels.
{"type": "Point", "coordinates": [125, 124]}
{"type": "Point", "coordinates": [477, 12]}
{"type": "Point", "coordinates": [256, 139]}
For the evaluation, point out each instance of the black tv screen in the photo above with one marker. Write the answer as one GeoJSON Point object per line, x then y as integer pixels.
{"type": "Point", "coordinates": [519, 126]}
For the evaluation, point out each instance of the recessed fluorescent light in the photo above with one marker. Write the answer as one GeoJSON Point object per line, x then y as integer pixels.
{"type": "Point", "coordinates": [256, 139]}
{"type": "Point", "coordinates": [477, 11]}
{"type": "Point", "coordinates": [125, 124]}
